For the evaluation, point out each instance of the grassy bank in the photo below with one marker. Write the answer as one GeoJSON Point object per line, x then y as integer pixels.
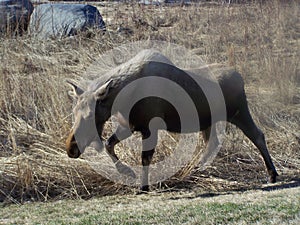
{"type": "Point", "coordinates": [251, 207]}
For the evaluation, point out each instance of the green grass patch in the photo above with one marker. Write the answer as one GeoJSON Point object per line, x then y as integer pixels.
{"type": "Point", "coordinates": [276, 207]}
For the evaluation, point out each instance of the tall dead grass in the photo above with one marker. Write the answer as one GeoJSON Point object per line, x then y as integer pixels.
{"type": "Point", "coordinates": [260, 40]}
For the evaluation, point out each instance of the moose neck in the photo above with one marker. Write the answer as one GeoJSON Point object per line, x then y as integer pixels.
{"type": "Point", "coordinates": [119, 94]}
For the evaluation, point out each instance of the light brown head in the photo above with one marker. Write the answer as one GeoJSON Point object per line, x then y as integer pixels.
{"type": "Point", "coordinates": [89, 117]}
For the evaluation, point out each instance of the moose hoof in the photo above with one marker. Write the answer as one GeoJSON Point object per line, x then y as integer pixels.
{"type": "Point", "coordinates": [144, 190]}
{"type": "Point", "coordinates": [272, 180]}
{"type": "Point", "coordinates": [273, 177]}
{"type": "Point", "coordinates": [124, 169]}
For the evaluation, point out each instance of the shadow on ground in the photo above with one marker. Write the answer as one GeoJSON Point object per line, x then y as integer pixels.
{"type": "Point", "coordinates": [294, 183]}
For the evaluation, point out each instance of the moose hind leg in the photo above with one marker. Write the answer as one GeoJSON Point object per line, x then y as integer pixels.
{"type": "Point", "coordinates": [120, 134]}
{"type": "Point", "coordinates": [244, 121]}
{"type": "Point", "coordinates": [212, 143]}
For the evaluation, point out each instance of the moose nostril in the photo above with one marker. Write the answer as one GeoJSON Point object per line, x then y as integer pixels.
{"type": "Point", "coordinates": [72, 149]}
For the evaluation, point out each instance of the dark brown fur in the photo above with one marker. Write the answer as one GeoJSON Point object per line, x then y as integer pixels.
{"type": "Point", "coordinates": [232, 88]}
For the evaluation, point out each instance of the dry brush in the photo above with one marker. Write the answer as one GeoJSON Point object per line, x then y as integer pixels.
{"type": "Point", "coordinates": [260, 40]}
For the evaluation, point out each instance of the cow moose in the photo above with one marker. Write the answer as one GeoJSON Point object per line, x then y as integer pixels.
{"type": "Point", "coordinates": [95, 106]}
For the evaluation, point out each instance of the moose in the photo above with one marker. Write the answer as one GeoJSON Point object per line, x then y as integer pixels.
{"type": "Point", "coordinates": [96, 104]}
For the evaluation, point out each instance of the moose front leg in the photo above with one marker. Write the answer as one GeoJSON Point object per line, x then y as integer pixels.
{"type": "Point", "coordinates": [149, 142]}
{"type": "Point", "coordinates": [146, 160]}
{"type": "Point", "coordinates": [110, 147]}
{"type": "Point", "coordinates": [120, 134]}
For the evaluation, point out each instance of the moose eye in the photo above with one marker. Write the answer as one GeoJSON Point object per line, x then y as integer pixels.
{"type": "Point", "coordinates": [87, 114]}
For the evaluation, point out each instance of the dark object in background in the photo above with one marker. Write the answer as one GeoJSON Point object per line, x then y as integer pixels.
{"type": "Point", "coordinates": [14, 16]}
{"type": "Point", "coordinates": [63, 20]}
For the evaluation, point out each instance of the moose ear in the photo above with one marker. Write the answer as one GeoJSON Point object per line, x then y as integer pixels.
{"type": "Point", "coordinates": [102, 92]}
{"type": "Point", "coordinates": [76, 90]}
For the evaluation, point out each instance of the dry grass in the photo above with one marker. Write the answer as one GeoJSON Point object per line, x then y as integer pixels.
{"type": "Point", "coordinates": [261, 41]}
